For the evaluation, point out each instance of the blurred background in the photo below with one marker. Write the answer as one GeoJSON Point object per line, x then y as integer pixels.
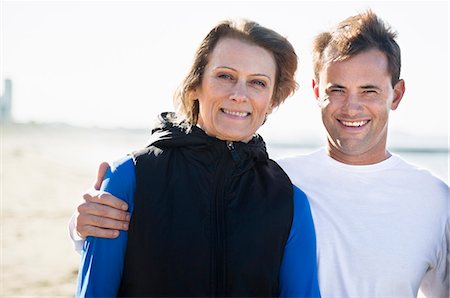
{"type": "Point", "coordinates": [82, 82]}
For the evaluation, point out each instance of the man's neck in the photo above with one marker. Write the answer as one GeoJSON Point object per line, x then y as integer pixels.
{"type": "Point", "coordinates": [357, 159]}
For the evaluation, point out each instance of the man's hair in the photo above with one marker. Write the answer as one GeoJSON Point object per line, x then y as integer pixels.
{"type": "Point", "coordinates": [355, 35]}
{"type": "Point", "coordinates": [247, 31]}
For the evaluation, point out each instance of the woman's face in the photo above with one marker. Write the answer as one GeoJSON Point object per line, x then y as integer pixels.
{"type": "Point", "coordinates": [236, 90]}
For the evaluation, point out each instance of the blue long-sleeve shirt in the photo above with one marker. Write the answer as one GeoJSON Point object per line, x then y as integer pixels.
{"type": "Point", "coordinates": [102, 259]}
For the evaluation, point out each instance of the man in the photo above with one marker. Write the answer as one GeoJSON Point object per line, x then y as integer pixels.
{"type": "Point", "coordinates": [382, 225]}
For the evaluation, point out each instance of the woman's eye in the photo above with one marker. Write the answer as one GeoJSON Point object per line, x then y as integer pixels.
{"type": "Point", "coordinates": [225, 76]}
{"type": "Point", "coordinates": [259, 83]}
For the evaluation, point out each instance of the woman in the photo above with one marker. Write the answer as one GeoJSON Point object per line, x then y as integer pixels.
{"type": "Point", "coordinates": [212, 215]}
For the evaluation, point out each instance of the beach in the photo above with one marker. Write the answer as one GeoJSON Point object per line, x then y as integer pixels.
{"type": "Point", "coordinates": [44, 171]}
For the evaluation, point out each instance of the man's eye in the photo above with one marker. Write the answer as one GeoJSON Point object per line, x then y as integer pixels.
{"type": "Point", "coordinates": [337, 91]}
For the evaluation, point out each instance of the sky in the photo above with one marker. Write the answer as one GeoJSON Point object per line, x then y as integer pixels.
{"type": "Point", "coordinates": [117, 63]}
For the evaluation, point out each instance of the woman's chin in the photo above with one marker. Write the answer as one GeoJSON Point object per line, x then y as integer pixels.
{"type": "Point", "coordinates": [235, 137]}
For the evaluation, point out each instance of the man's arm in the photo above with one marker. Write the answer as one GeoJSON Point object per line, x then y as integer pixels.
{"type": "Point", "coordinates": [436, 282]}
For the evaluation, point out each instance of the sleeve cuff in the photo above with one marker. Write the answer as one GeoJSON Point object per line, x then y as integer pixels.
{"type": "Point", "coordinates": [76, 239]}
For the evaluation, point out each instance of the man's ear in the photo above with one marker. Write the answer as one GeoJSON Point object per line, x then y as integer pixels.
{"type": "Point", "coordinates": [315, 86]}
{"type": "Point", "coordinates": [399, 91]}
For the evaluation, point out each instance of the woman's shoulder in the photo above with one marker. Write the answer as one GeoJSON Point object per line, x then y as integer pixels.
{"type": "Point", "coordinates": [120, 179]}
{"type": "Point", "coordinates": [300, 198]}
{"type": "Point", "coordinates": [123, 164]}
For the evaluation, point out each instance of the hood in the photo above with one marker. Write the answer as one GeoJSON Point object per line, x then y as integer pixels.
{"type": "Point", "coordinates": [167, 133]}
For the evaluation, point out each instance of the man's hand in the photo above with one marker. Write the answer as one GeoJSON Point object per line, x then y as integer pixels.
{"type": "Point", "coordinates": [101, 214]}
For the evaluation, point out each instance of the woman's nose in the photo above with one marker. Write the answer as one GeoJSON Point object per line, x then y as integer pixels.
{"type": "Point", "coordinates": [240, 91]}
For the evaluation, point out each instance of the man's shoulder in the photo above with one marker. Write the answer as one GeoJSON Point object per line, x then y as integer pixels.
{"type": "Point", "coordinates": [415, 170]}
{"type": "Point", "coordinates": [422, 181]}
{"type": "Point", "coordinates": [302, 159]}
{"type": "Point", "coordinates": [299, 167]}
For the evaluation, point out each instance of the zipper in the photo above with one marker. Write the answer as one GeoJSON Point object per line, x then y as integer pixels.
{"type": "Point", "coordinates": [218, 268]}
{"type": "Point", "coordinates": [234, 153]}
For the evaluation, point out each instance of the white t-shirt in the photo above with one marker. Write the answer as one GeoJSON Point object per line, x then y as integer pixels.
{"type": "Point", "coordinates": [382, 230]}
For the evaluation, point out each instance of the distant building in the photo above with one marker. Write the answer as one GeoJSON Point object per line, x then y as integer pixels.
{"type": "Point", "coordinates": [5, 102]}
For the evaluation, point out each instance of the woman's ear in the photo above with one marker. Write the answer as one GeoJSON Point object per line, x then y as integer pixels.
{"type": "Point", "coordinates": [193, 94]}
{"type": "Point", "coordinates": [270, 109]}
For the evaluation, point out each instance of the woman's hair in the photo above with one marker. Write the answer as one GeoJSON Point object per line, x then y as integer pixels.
{"type": "Point", "coordinates": [248, 31]}
{"type": "Point", "coordinates": [355, 35]}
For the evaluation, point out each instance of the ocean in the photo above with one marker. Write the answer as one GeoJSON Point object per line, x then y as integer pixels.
{"type": "Point", "coordinates": [436, 160]}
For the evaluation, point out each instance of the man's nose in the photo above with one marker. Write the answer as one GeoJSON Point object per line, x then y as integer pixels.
{"type": "Point", "coordinates": [352, 103]}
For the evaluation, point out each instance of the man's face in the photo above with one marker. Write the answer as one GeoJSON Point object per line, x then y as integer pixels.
{"type": "Point", "coordinates": [356, 96]}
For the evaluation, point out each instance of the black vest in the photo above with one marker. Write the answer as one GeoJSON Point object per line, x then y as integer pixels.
{"type": "Point", "coordinates": [210, 219]}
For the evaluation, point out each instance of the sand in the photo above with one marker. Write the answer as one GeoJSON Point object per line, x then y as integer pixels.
{"type": "Point", "coordinates": [44, 171]}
